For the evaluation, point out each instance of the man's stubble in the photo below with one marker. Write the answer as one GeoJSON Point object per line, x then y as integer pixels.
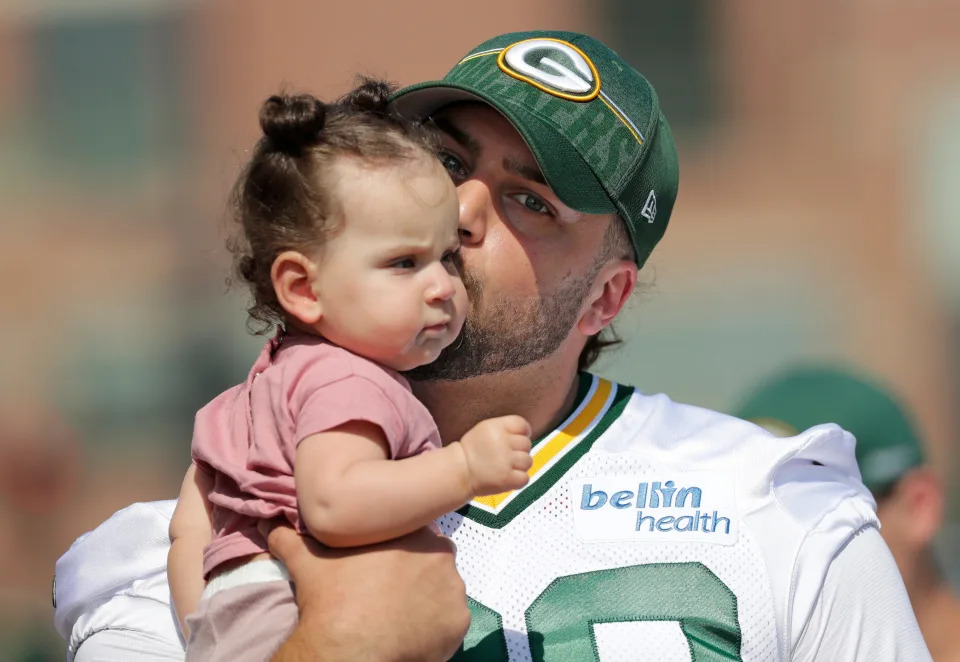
{"type": "Point", "coordinates": [508, 333]}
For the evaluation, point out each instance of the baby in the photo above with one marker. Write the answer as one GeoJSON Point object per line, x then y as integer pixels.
{"type": "Point", "coordinates": [350, 247]}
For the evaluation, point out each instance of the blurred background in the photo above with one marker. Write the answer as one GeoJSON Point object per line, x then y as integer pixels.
{"type": "Point", "coordinates": [817, 218]}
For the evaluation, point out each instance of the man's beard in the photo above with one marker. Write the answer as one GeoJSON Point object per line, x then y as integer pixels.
{"type": "Point", "coordinates": [508, 333]}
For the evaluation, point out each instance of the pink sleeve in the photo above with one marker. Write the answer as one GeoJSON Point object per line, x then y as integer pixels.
{"type": "Point", "coordinates": [353, 398]}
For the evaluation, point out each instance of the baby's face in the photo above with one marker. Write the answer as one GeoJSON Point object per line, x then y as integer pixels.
{"type": "Point", "coordinates": [388, 283]}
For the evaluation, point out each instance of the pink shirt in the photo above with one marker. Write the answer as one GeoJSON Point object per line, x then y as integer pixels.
{"type": "Point", "coordinates": [248, 436]}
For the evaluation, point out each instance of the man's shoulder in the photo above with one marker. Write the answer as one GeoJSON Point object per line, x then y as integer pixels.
{"type": "Point", "coordinates": [129, 530]}
{"type": "Point", "coordinates": [808, 473]}
{"type": "Point", "coordinates": [128, 547]}
{"type": "Point", "coordinates": [656, 425]}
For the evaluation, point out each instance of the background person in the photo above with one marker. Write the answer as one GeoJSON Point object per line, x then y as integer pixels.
{"type": "Point", "coordinates": [910, 499]}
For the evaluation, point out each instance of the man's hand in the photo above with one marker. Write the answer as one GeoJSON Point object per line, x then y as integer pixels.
{"type": "Point", "coordinates": [396, 601]}
{"type": "Point", "coordinates": [497, 453]}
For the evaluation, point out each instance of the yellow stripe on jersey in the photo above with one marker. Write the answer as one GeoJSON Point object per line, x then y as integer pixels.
{"type": "Point", "coordinates": [560, 441]}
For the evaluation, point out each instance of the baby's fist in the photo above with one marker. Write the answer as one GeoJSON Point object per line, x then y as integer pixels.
{"type": "Point", "coordinates": [497, 451]}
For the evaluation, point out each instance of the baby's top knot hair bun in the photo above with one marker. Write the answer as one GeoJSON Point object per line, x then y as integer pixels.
{"type": "Point", "coordinates": [372, 96]}
{"type": "Point", "coordinates": [291, 123]}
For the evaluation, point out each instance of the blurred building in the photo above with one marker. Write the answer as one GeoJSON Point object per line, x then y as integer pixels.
{"type": "Point", "coordinates": [820, 146]}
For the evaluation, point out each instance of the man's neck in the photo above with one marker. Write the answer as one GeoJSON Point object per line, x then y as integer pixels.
{"type": "Point", "coordinates": [938, 612]}
{"type": "Point", "coordinates": [543, 393]}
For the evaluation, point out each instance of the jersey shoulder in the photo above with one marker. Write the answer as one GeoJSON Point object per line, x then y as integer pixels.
{"type": "Point", "coordinates": [801, 497]}
{"type": "Point", "coordinates": [114, 558]}
{"type": "Point", "coordinates": [807, 474]}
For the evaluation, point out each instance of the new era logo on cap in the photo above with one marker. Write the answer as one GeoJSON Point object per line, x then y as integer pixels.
{"type": "Point", "coordinates": [649, 210]}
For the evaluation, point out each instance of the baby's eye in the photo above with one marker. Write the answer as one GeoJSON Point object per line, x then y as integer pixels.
{"type": "Point", "coordinates": [403, 263]}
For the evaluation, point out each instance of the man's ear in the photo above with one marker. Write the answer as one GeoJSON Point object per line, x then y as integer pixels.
{"type": "Point", "coordinates": [611, 289]}
{"type": "Point", "coordinates": [292, 275]}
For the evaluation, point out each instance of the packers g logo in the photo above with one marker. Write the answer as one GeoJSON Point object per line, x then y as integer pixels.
{"type": "Point", "coordinates": [554, 66]}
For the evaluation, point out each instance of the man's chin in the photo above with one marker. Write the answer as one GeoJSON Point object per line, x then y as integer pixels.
{"type": "Point", "coordinates": [478, 355]}
{"type": "Point", "coordinates": [507, 337]}
{"type": "Point", "coordinates": [448, 367]}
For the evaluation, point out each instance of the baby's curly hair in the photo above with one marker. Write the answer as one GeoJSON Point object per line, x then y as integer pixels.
{"type": "Point", "coordinates": [283, 199]}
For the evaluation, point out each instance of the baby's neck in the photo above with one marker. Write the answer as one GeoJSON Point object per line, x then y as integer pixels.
{"type": "Point", "coordinates": [295, 328]}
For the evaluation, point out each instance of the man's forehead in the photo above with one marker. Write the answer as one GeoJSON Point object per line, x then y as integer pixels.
{"type": "Point", "coordinates": [477, 124]}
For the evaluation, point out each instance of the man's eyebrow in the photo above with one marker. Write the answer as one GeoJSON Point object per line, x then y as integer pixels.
{"type": "Point", "coordinates": [525, 170]}
{"type": "Point", "coordinates": [472, 145]}
{"type": "Point", "coordinates": [460, 136]}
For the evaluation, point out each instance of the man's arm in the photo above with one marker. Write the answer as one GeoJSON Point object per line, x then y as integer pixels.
{"type": "Point", "coordinates": [396, 601]}
{"type": "Point", "coordinates": [863, 612]}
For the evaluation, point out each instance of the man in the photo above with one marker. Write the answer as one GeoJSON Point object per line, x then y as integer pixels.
{"type": "Point", "coordinates": [910, 498]}
{"type": "Point", "coordinates": [648, 529]}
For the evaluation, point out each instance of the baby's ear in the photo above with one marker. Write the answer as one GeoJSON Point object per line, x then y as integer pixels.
{"type": "Point", "coordinates": [292, 274]}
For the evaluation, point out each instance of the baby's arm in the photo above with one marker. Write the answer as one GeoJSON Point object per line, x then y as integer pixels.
{"type": "Point", "coordinates": [191, 529]}
{"type": "Point", "coordinates": [350, 493]}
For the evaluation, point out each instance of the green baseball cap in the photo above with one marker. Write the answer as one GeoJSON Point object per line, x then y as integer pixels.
{"type": "Point", "coordinates": [592, 122]}
{"type": "Point", "coordinates": [887, 442]}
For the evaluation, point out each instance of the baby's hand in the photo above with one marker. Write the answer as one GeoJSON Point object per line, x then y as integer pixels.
{"type": "Point", "coordinates": [497, 451]}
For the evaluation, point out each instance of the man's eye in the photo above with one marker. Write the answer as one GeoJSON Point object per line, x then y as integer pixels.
{"type": "Point", "coordinates": [451, 256]}
{"type": "Point", "coordinates": [532, 202]}
{"type": "Point", "coordinates": [453, 165]}
{"type": "Point", "coordinates": [453, 260]}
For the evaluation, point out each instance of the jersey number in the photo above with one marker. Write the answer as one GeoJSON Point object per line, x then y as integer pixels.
{"type": "Point", "coordinates": [560, 621]}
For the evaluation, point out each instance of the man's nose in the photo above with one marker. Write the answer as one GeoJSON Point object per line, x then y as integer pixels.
{"type": "Point", "coordinates": [475, 207]}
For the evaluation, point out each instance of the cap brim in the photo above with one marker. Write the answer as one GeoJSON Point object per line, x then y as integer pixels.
{"type": "Point", "coordinates": [564, 169]}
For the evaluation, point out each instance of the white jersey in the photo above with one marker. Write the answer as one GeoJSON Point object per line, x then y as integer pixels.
{"type": "Point", "coordinates": [115, 578]}
{"type": "Point", "coordinates": [658, 531]}
{"type": "Point", "coordinates": [649, 530]}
